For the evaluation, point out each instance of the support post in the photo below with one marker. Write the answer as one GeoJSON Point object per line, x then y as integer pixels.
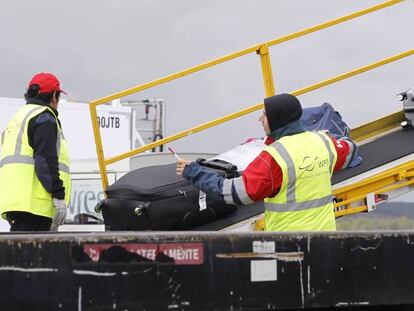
{"type": "Point", "coordinates": [266, 69]}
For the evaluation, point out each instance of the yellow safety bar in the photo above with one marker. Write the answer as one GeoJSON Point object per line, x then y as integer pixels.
{"type": "Point", "coordinates": [261, 49]}
{"type": "Point", "coordinates": [389, 180]}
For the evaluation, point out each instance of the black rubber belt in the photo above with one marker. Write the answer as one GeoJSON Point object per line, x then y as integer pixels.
{"type": "Point", "coordinates": [381, 151]}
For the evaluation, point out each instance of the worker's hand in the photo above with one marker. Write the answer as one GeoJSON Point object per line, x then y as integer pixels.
{"type": "Point", "coordinates": [181, 165]}
{"type": "Point", "coordinates": [60, 215]}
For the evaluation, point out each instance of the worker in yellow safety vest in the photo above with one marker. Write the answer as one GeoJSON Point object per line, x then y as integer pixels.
{"type": "Point", "coordinates": [292, 174]}
{"type": "Point", "coordinates": [34, 164]}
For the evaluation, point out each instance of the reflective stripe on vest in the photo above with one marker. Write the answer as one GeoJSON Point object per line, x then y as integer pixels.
{"type": "Point", "coordinates": [290, 196]}
{"type": "Point", "coordinates": [18, 147]}
{"type": "Point", "coordinates": [18, 158]}
{"type": "Point", "coordinates": [304, 201]}
{"type": "Point", "coordinates": [331, 155]}
{"type": "Point", "coordinates": [28, 160]}
{"type": "Point", "coordinates": [299, 206]}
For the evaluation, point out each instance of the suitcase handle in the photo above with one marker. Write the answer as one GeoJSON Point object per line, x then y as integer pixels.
{"type": "Point", "coordinates": [218, 164]}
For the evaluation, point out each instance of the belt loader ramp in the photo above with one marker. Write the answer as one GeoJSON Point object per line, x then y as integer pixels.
{"type": "Point", "coordinates": [222, 270]}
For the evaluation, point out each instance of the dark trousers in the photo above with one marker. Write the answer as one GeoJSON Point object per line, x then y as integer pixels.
{"type": "Point", "coordinates": [22, 221]}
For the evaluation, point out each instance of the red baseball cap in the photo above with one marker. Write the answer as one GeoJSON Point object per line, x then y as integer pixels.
{"type": "Point", "coordinates": [47, 82]}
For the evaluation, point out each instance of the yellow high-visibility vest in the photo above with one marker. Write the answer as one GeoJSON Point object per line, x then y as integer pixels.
{"type": "Point", "coordinates": [20, 189]}
{"type": "Point", "coordinates": [304, 202]}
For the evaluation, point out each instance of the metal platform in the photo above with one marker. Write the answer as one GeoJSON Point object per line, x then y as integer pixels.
{"type": "Point", "coordinates": [207, 271]}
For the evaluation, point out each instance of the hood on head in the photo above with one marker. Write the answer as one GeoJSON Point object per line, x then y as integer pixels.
{"type": "Point", "coordinates": [282, 109]}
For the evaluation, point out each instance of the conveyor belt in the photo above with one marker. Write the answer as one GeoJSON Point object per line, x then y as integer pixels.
{"type": "Point", "coordinates": [381, 151]}
{"type": "Point", "coordinates": [243, 213]}
{"type": "Point", "coordinates": [376, 153]}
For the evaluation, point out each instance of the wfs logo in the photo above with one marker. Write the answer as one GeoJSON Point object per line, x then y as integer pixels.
{"type": "Point", "coordinates": [308, 163]}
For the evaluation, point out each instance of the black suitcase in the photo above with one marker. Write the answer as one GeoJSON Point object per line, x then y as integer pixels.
{"type": "Point", "coordinates": [156, 198]}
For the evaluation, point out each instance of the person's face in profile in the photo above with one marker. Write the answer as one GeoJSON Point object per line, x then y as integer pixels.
{"type": "Point", "coordinates": [265, 124]}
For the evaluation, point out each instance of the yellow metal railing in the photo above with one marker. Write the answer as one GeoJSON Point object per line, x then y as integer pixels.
{"type": "Point", "coordinates": [261, 49]}
{"type": "Point", "coordinates": [395, 178]}
{"type": "Point", "coordinates": [378, 126]}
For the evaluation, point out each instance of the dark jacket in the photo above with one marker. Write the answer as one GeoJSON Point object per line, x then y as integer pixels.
{"type": "Point", "coordinates": [42, 133]}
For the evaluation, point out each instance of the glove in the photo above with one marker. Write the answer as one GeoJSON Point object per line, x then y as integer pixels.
{"type": "Point", "coordinates": [60, 215]}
